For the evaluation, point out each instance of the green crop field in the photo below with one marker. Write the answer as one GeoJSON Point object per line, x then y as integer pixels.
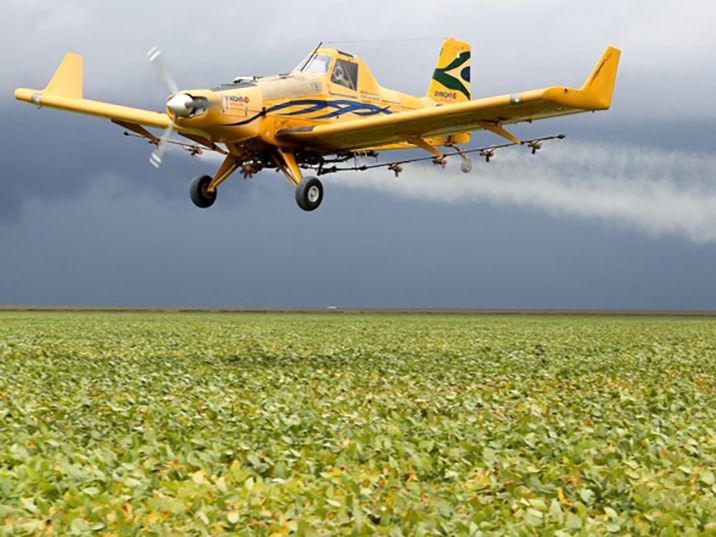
{"type": "Point", "coordinates": [259, 424]}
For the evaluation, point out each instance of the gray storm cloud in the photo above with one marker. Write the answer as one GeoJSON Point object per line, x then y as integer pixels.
{"type": "Point", "coordinates": [85, 219]}
{"type": "Point", "coordinates": [661, 193]}
{"type": "Point", "coordinates": [552, 43]}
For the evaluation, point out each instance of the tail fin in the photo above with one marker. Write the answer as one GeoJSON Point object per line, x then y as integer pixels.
{"type": "Point", "coordinates": [68, 79]}
{"type": "Point", "coordinates": [451, 79]}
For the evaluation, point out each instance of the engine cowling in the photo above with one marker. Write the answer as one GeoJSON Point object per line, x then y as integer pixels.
{"type": "Point", "coordinates": [222, 116]}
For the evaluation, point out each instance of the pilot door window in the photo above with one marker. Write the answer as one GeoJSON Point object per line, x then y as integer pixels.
{"type": "Point", "coordinates": [345, 74]}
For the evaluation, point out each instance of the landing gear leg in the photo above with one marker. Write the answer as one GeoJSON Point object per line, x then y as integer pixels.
{"type": "Point", "coordinates": [203, 188]}
{"type": "Point", "coordinates": [309, 190]}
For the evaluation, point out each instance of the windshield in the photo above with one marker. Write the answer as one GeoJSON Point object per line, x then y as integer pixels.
{"type": "Point", "coordinates": [314, 63]}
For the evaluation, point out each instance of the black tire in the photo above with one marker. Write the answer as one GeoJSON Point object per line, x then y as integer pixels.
{"type": "Point", "coordinates": [199, 195]}
{"type": "Point", "coordinates": [309, 194]}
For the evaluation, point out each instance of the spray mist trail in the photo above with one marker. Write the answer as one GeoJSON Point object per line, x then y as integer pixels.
{"type": "Point", "coordinates": [661, 193]}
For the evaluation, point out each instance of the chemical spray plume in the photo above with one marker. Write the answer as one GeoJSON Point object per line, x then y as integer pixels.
{"type": "Point", "coordinates": [660, 193]}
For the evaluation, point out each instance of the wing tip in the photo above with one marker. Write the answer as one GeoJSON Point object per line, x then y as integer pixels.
{"type": "Point", "coordinates": [68, 80]}
{"type": "Point", "coordinates": [599, 86]}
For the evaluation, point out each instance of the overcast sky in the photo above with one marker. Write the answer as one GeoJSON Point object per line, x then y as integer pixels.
{"type": "Point", "coordinates": [621, 214]}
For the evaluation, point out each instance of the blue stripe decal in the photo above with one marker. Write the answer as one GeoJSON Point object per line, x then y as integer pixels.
{"type": "Point", "coordinates": [339, 107]}
{"type": "Point", "coordinates": [313, 106]}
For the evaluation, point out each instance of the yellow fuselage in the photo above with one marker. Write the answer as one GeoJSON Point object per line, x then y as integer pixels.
{"type": "Point", "coordinates": [259, 108]}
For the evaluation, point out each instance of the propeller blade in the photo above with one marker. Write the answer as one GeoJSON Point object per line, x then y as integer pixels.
{"type": "Point", "coordinates": [155, 58]}
{"type": "Point", "coordinates": [156, 157]}
{"type": "Point", "coordinates": [178, 105]}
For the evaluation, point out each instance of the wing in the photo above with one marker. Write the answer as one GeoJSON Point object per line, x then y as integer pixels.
{"type": "Point", "coordinates": [596, 94]}
{"type": "Point", "coordinates": [65, 92]}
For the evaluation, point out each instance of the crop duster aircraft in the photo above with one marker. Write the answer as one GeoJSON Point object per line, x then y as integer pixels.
{"type": "Point", "coordinates": [326, 112]}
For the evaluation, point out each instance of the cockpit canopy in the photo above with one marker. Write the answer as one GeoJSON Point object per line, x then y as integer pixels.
{"type": "Point", "coordinates": [345, 72]}
{"type": "Point", "coordinates": [314, 63]}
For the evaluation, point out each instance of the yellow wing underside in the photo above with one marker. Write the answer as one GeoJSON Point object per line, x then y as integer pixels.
{"type": "Point", "coordinates": [596, 94]}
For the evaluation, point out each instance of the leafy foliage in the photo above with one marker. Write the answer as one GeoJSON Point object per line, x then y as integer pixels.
{"type": "Point", "coordinates": [263, 424]}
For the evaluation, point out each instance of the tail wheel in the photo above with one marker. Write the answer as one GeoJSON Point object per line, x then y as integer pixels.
{"type": "Point", "coordinates": [199, 194]}
{"type": "Point", "coordinates": [309, 194]}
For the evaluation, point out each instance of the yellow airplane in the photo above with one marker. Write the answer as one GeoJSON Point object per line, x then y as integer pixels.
{"type": "Point", "coordinates": [325, 112]}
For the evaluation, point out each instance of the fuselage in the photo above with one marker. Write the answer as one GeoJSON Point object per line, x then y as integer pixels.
{"type": "Point", "coordinates": [329, 86]}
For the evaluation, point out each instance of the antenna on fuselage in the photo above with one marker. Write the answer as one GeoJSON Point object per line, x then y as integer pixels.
{"type": "Point", "coordinates": [310, 58]}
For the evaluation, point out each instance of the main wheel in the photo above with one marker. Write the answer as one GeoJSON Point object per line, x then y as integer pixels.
{"type": "Point", "coordinates": [199, 195]}
{"type": "Point", "coordinates": [309, 194]}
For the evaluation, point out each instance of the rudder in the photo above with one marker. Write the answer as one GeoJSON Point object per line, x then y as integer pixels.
{"type": "Point", "coordinates": [451, 78]}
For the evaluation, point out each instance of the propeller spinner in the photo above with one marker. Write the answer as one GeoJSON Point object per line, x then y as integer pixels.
{"type": "Point", "coordinates": [179, 105]}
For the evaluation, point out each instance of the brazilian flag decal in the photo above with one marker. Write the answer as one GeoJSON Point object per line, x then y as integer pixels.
{"type": "Point", "coordinates": [448, 76]}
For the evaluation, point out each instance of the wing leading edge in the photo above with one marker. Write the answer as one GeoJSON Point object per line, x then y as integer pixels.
{"type": "Point", "coordinates": [595, 94]}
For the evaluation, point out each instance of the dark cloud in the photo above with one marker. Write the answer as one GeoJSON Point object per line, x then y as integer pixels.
{"type": "Point", "coordinates": [114, 246]}
{"type": "Point", "coordinates": [85, 220]}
